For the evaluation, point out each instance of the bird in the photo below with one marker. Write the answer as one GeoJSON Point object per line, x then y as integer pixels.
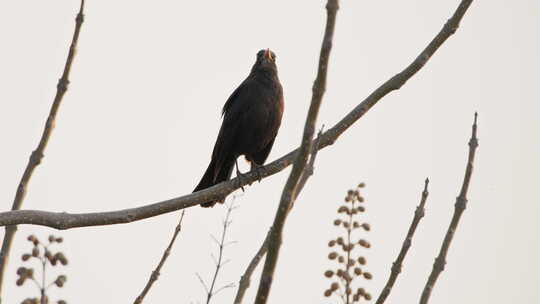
{"type": "Point", "coordinates": [251, 120]}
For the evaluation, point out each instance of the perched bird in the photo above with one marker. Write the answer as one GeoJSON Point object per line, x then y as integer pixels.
{"type": "Point", "coordinates": [251, 119]}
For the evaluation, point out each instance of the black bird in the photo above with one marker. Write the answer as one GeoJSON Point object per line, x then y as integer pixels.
{"type": "Point", "coordinates": [251, 119]}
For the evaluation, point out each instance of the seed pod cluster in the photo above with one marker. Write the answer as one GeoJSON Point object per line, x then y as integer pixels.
{"type": "Point", "coordinates": [346, 251]}
{"type": "Point", "coordinates": [42, 254]}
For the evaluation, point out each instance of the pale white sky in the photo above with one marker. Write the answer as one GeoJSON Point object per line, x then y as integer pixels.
{"type": "Point", "coordinates": [143, 110]}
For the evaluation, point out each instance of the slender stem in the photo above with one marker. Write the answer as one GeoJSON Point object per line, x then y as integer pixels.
{"type": "Point", "coordinates": [37, 154]}
{"type": "Point", "coordinates": [459, 207]}
{"type": "Point", "coordinates": [349, 248]}
{"type": "Point", "coordinates": [155, 274]}
{"type": "Point", "coordinates": [219, 264]}
{"type": "Point", "coordinates": [37, 283]}
{"type": "Point", "coordinates": [43, 279]}
{"type": "Point", "coordinates": [396, 266]}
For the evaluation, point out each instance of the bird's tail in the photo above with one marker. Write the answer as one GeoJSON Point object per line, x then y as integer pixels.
{"type": "Point", "coordinates": [214, 176]}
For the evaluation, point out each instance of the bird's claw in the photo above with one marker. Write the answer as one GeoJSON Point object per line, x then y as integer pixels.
{"type": "Point", "coordinates": [241, 178]}
{"type": "Point", "coordinates": [259, 170]}
{"type": "Point", "coordinates": [259, 174]}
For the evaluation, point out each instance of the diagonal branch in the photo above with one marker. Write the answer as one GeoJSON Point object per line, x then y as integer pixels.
{"type": "Point", "coordinates": [396, 267]}
{"type": "Point", "coordinates": [62, 220]}
{"type": "Point", "coordinates": [37, 154]}
{"type": "Point", "coordinates": [245, 280]}
{"type": "Point", "coordinates": [459, 207]}
{"type": "Point", "coordinates": [155, 274]}
{"type": "Point", "coordinates": [290, 191]}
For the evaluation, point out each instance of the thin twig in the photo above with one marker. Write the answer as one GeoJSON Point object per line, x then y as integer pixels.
{"type": "Point", "coordinates": [290, 190]}
{"type": "Point", "coordinates": [459, 207]}
{"type": "Point", "coordinates": [219, 264]}
{"type": "Point", "coordinates": [202, 282]}
{"type": "Point", "coordinates": [230, 285]}
{"type": "Point", "coordinates": [43, 298]}
{"type": "Point", "coordinates": [396, 267]}
{"type": "Point", "coordinates": [347, 266]}
{"type": "Point", "coordinates": [245, 280]}
{"type": "Point", "coordinates": [155, 274]}
{"type": "Point", "coordinates": [63, 220]}
{"type": "Point", "coordinates": [37, 154]}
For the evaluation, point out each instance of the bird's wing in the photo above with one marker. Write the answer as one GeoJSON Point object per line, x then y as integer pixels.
{"type": "Point", "coordinates": [224, 149]}
{"type": "Point", "coordinates": [242, 89]}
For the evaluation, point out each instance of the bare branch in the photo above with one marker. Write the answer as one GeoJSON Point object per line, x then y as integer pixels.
{"type": "Point", "coordinates": [290, 190]}
{"type": "Point", "coordinates": [396, 267]}
{"type": "Point", "coordinates": [62, 220]}
{"type": "Point", "coordinates": [245, 280]}
{"type": "Point", "coordinates": [219, 262]}
{"type": "Point", "coordinates": [230, 285]}
{"type": "Point", "coordinates": [155, 274]}
{"type": "Point", "coordinates": [37, 154]}
{"type": "Point", "coordinates": [459, 207]}
{"type": "Point", "coordinates": [202, 282]}
{"type": "Point", "coordinates": [310, 168]}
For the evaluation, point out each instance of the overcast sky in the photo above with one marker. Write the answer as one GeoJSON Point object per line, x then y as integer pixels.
{"type": "Point", "coordinates": [139, 120]}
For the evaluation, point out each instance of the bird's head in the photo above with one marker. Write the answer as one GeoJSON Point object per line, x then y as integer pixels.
{"type": "Point", "coordinates": [266, 60]}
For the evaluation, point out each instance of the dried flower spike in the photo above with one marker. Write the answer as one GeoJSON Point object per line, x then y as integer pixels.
{"type": "Point", "coordinates": [347, 272]}
{"type": "Point", "coordinates": [41, 251]}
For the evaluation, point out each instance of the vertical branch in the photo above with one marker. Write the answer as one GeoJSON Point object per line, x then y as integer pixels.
{"type": "Point", "coordinates": [396, 267]}
{"type": "Point", "coordinates": [459, 207]}
{"type": "Point", "coordinates": [226, 223]}
{"type": "Point", "coordinates": [155, 274]}
{"type": "Point", "coordinates": [290, 189]}
{"type": "Point", "coordinates": [37, 154]}
{"type": "Point", "coordinates": [245, 280]}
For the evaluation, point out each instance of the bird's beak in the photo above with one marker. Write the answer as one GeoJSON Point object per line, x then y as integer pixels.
{"type": "Point", "coordinates": [268, 54]}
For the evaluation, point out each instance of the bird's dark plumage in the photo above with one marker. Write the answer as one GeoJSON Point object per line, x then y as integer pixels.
{"type": "Point", "coordinates": [251, 119]}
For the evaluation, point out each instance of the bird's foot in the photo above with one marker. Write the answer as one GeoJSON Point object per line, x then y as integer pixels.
{"type": "Point", "coordinates": [259, 169]}
{"type": "Point", "coordinates": [241, 178]}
